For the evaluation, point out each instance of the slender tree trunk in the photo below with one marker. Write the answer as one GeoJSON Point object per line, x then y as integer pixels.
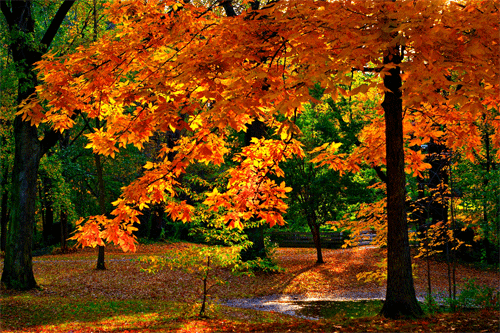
{"type": "Point", "coordinates": [400, 297]}
{"type": "Point", "coordinates": [317, 244]}
{"type": "Point", "coordinates": [205, 291]}
{"type": "Point", "coordinates": [314, 226]}
{"type": "Point", "coordinates": [486, 224]}
{"type": "Point", "coordinates": [98, 164]}
{"type": "Point", "coordinates": [48, 208]}
{"type": "Point", "coordinates": [429, 284]}
{"type": "Point", "coordinates": [102, 205]}
{"type": "Point", "coordinates": [63, 215]}
{"type": "Point", "coordinates": [453, 227]}
{"type": "Point", "coordinates": [428, 261]}
{"type": "Point", "coordinates": [64, 231]}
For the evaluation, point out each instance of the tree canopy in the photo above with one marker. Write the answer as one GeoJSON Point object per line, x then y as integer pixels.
{"type": "Point", "coordinates": [183, 66]}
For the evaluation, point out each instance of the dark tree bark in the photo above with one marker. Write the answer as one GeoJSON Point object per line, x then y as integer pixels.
{"type": "Point", "coordinates": [486, 224]}
{"type": "Point", "coordinates": [48, 208]}
{"type": "Point", "coordinates": [438, 175]}
{"type": "Point", "coordinates": [29, 149]}
{"type": "Point", "coordinates": [157, 215]}
{"type": "Point", "coordinates": [102, 202]}
{"type": "Point", "coordinates": [400, 297]}
{"type": "Point", "coordinates": [64, 235]}
{"type": "Point", "coordinates": [4, 209]}
{"type": "Point", "coordinates": [64, 231]}
{"type": "Point", "coordinates": [101, 249]}
{"type": "Point", "coordinates": [314, 226]}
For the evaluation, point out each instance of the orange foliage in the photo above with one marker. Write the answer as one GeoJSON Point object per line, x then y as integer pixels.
{"type": "Point", "coordinates": [171, 65]}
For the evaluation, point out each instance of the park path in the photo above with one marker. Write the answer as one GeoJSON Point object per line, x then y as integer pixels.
{"type": "Point", "coordinates": [336, 280]}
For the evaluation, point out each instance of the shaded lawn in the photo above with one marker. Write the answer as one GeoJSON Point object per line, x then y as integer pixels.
{"type": "Point", "coordinates": [55, 314]}
{"type": "Point", "coordinates": [76, 297]}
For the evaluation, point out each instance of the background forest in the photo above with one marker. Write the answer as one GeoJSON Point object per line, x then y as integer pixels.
{"type": "Point", "coordinates": [126, 113]}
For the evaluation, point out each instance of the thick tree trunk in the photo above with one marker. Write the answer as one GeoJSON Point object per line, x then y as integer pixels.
{"type": "Point", "coordinates": [18, 269]}
{"type": "Point", "coordinates": [4, 210]}
{"type": "Point", "coordinates": [4, 217]}
{"type": "Point", "coordinates": [400, 298]}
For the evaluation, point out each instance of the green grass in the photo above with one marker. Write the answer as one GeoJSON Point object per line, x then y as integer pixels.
{"type": "Point", "coordinates": [31, 313]}
{"type": "Point", "coordinates": [34, 313]}
{"type": "Point", "coordinates": [339, 309]}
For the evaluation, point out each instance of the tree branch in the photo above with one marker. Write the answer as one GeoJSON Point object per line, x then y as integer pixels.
{"type": "Point", "coordinates": [368, 69]}
{"type": "Point", "coordinates": [56, 23]}
{"type": "Point", "coordinates": [50, 139]}
{"type": "Point", "coordinates": [228, 8]}
{"type": "Point", "coordinates": [7, 13]}
{"type": "Point", "coordinates": [380, 173]}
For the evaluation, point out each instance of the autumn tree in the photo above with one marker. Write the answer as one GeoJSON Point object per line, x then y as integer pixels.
{"type": "Point", "coordinates": [321, 194]}
{"type": "Point", "coordinates": [182, 66]}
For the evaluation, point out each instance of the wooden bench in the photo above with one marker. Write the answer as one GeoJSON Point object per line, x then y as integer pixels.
{"type": "Point", "coordinates": [329, 240]}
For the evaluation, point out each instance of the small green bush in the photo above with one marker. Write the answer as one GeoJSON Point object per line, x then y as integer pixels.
{"type": "Point", "coordinates": [477, 296]}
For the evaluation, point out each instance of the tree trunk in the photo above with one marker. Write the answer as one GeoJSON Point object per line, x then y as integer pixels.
{"type": "Point", "coordinates": [314, 227]}
{"type": "Point", "coordinates": [156, 223]}
{"type": "Point", "coordinates": [317, 241]}
{"type": "Point", "coordinates": [438, 176]}
{"type": "Point", "coordinates": [18, 269]}
{"type": "Point", "coordinates": [48, 207]}
{"type": "Point", "coordinates": [102, 204]}
{"type": "Point", "coordinates": [486, 222]}
{"type": "Point", "coordinates": [64, 231]}
{"type": "Point", "coordinates": [205, 291]}
{"type": "Point", "coordinates": [400, 297]}
{"type": "Point", "coordinates": [4, 213]}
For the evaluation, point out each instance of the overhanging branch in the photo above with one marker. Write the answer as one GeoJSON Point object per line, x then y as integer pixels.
{"type": "Point", "coordinates": [56, 23]}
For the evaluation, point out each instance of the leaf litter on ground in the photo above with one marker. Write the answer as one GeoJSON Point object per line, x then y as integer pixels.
{"type": "Point", "coordinates": [73, 295]}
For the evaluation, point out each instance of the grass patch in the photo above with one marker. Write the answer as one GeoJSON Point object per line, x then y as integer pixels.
{"type": "Point", "coordinates": [339, 309]}
{"type": "Point", "coordinates": [57, 314]}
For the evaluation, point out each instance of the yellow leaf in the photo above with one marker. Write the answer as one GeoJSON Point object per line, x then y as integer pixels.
{"type": "Point", "coordinates": [149, 165]}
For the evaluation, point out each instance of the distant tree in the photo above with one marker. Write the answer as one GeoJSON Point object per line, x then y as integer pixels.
{"type": "Point", "coordinates": [321, 194]}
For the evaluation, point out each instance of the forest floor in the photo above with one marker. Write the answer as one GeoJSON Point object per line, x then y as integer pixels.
{"type": "Point", "coordinates": [75, 297]}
